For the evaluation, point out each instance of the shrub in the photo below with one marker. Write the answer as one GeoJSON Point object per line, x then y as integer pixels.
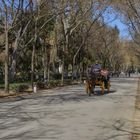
{"type": "Point", "coordinates": [21, 88]}
{"type": "Point", "coordinates": [54, 83]}
{"type": "Point", "coordinates": [57, 76]}
{"type": "Point", "coordinates": [40, 85]}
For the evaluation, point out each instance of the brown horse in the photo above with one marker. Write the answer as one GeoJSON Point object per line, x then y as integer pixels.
{"type": "Point", "coordinates": [97, 80]}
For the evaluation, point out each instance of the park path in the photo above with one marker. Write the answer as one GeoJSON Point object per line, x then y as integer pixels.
{"type": "Point", "coordinates": [69, 114]}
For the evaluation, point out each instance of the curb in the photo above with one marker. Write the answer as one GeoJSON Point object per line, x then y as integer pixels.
{"type": "Point", "coordinates": [24, 93]}
{"type": "Point", "coordinates": [136, 120]}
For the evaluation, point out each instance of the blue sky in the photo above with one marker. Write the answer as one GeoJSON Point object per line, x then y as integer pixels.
{"type": "Point", "coordinates": [113, 19]}
{"type": "Point", "coordinates": [124, 33]}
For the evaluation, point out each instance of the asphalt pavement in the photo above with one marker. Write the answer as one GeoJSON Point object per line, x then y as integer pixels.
{"type": "Point", "coordinates": [68, 113]}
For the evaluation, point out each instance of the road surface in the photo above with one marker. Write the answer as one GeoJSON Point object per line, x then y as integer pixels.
{"type": "Point", "coordinates": [69, 114]}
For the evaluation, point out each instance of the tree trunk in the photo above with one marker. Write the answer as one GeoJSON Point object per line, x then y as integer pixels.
{"type": "Point", "coordinates": [62, 77]}
{"type": "Point", "coordinates": [7, 57]}
{"type": "Point", "coordinates": [45, 64]}
{"type": "Point", "coordinates": [32, 66]}
{"type": "Point", "coordinates": [48, 71]}
{"type": "Point", "coordinates": [14, 56]}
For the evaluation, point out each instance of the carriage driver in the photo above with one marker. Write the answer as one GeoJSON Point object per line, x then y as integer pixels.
{"type": "Point", "coordinates": [97, 70]}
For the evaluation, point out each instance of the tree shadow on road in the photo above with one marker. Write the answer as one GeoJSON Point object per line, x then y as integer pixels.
{"type": "Point", "coordinates": [98, 92]}
{"type": "Point", "coordinates": [59, 95]}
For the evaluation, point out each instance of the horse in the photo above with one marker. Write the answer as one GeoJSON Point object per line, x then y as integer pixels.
{"type": "Point", "coordinates": [98, 79]}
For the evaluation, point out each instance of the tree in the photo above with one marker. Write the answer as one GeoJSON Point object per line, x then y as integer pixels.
{"type": "Point", "coordinates": [6, 47]}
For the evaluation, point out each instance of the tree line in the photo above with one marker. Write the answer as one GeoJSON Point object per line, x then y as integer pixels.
{"type": "Point", "coordinates": [54, 38]}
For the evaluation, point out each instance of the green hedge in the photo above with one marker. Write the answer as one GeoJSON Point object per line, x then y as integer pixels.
{"type": "Point", "coordinates": [19, 87]}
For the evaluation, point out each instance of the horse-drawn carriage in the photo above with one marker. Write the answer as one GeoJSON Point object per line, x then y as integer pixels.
{"type": "Point", "coordinates": [100, 79]}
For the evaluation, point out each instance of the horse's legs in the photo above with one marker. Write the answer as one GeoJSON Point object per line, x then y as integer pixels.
{"type": "Point", "coordinates": [102, 88]}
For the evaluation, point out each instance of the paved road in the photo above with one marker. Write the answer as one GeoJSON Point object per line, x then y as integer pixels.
{"type": "Point", "coordinates": [69, 114]}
